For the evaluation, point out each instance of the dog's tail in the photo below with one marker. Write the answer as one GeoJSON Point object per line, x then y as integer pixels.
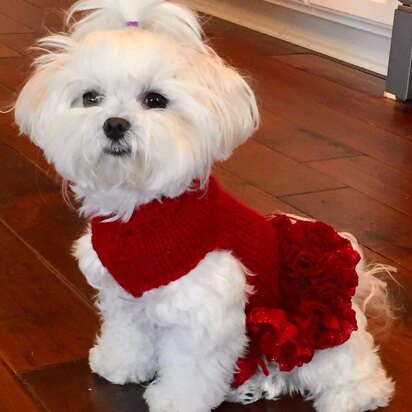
{"type": "Point", "coordinates": [161, 16]}
{"type": "Point", "coordinates": [372, 294]}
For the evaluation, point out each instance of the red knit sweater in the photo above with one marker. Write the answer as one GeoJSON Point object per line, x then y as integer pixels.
{"type": "Point", "coordinates": [295, 308]}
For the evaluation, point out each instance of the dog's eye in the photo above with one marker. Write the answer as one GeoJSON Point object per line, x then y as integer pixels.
{"type": "Point", "coordinates": [92, 98]}
{"type": "Point", "coordinates": [155, 101]}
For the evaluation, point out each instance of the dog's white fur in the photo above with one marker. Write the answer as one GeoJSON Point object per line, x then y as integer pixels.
{"type": "Point", "coordinates": [187, 334]}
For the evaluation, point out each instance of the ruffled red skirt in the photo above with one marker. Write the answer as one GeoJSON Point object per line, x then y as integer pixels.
{"type": "Point", "coordinates": [317, 282]}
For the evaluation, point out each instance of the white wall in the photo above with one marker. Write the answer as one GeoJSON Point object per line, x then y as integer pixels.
{"type": "Point", "coordinates": [376, 10]}
{"type": "Point", "coordinates": [361, 41]}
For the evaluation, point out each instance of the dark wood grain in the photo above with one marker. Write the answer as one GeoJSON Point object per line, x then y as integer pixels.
{"type": "Point", "coordinates": [377, 180]}
{"type": "Point", "coordinates": [14, 71]}
{"type": "Point", "coordinates": [325, 68]}
{"type": "Point", "coordinates": [32, 206]}
{"type": "Point", "coordinates": [51, 3]}
{"type": "Point", "coordinates": [398, 361]}
{"type": "Point", "coordinates": [42, 320]}
{"type": "Point", "coordinates": [10, 136]}
{"type": "Point", "coordinates": [7, 52]}
{"type": "Point", "coordinates": [381, 228]}
{"type": "Point", "coordinates": [23, 12]}
{"type": "Point", "coordinates": [221, 33]}
{"type": "Point", "coordinates": [338, 127]}
{"type": "Point", "coordinates": [269, 172]}
{"type": "Point", "coordinates": [298, 142]}
{"type": "Point", "coordinates": [13, 396]}
{"type": "Point", "coordinates": [252, 196]}
{"type": "Point", "coordinates": [280, 92]}
{"type": "Point", "coordinates": [72, 387]}
{"type": "Point", "coordinates": [384, 113]}
{"type": "Point", "coordinates": [21, 43]}
{"type": "Point", "coordinates": [9, 25]}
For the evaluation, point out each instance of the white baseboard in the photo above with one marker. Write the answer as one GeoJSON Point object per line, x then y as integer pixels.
{"type": "Point", "coordinates": [356, 41]}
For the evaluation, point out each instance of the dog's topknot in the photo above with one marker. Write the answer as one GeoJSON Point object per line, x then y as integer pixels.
{"type": "Point", "coordinates": [155, 15]}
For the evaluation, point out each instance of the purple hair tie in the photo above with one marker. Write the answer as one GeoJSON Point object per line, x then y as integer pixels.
{"type": "Point", "coordinates": [132, 24]}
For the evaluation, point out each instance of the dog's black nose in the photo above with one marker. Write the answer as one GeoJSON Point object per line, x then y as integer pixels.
{"type": "Point", "coordinates": [115, 128]}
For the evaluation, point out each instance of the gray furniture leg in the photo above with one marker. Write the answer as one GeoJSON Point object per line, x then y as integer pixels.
{"type": "Point", "coordinates": [399, 80]}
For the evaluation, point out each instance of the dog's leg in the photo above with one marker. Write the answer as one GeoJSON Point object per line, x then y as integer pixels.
{"type": "Point", "coordinates": [125, 350]}
{"type": "Point", "coordinates": [348, 378]}
{"type": "Point", "coordinates": [201, 337]}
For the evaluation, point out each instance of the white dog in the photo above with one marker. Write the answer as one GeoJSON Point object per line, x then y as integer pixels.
{"type": "Point", "coordinates": [133, 108]}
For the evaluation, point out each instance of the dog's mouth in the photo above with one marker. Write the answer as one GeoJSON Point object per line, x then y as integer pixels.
{"type": "Point", "coordinates": [118, 150]}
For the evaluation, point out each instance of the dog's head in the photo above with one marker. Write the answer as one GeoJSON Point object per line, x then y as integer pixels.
{"type": "Point", "coordinates": [144, 107]}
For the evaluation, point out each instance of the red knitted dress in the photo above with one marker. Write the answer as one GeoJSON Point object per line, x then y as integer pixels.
{"type": "Point", "coordinates": [303, 272]}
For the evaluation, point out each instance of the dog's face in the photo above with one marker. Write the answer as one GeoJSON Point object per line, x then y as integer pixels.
{"type": "Point", "coordinates": [134, 109]}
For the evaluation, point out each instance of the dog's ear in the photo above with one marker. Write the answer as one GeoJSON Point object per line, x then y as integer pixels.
{"type": "Point", "coordinates": [39, 99]}
{"type": "Point", "coordinates": [231, 101]}
{"type": "Point", "coordinates": [160, 16]}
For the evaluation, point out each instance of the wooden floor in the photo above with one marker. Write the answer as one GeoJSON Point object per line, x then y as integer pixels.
{"type": "Point", "coordinates": [330, 147]}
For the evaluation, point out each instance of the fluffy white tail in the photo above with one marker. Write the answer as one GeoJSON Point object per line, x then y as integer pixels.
{"type": "Point", "coordinates": [372, 292]}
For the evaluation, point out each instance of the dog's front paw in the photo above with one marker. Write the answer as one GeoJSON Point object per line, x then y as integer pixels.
{"type": "Point", "coordinates": [161, 398]}
{"type": "Point", "coordinates": [247, 393]}
{"type": "Point", "coordinates": [117, 367]}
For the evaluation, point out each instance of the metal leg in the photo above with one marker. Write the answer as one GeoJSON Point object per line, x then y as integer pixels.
{"type": "Point", "coordinates": [399, 80]}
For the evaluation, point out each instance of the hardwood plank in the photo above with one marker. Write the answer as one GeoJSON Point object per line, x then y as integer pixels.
{"type": "Point", "coordinates": [387, 114]}
{"type": "Point", "coordinates": [219, 31]}
{"type": "Point", "coordinates": [19, 42]}
{"type": "Point", "coordinates": [14, 71]}
{"type": "Point", "coordinates": [284, 404]}
{"type": "Point", "coordinates": [42, 320]}
{"type": "Point", "coordinates": [283, 97]}
{"type": "Point", "coordinates": [51, 3]}
{"type": "Point", "coordinates": [381, 182]}
{"type": "Point", "coordinates": [7, 25]}
{"type": "Point", "coordinates": [396, 353]}
{"type": "Point", "coordinates": [33, 208]}
{"type": "Point", "coordinates": [225, 49]}
{"type": "Point", "coordinates": [381, 228]}
{"type": "Point", "coordinates": [20, 179]}
{"type": "Point", "coordinates": [267, 170]}
{"type": "Point", "coordinates": [252, 196]}
{"type": "Point", "coordinates": [338, 127]}
{"type": "Point", "coordinates": [298, 142]}
{"type": "Point", "coordinates": [7, 52]}
{"type": "Point", "coordinates": [337, 72]}
{"type": "Point", "coordinates": [9, 134]}
{"type": "Point", "coordinates": [72, 388]}
{"type": "Point", "coordinates": [13, 396]}
{"type": "Point", "coordinates": [22, 12]}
